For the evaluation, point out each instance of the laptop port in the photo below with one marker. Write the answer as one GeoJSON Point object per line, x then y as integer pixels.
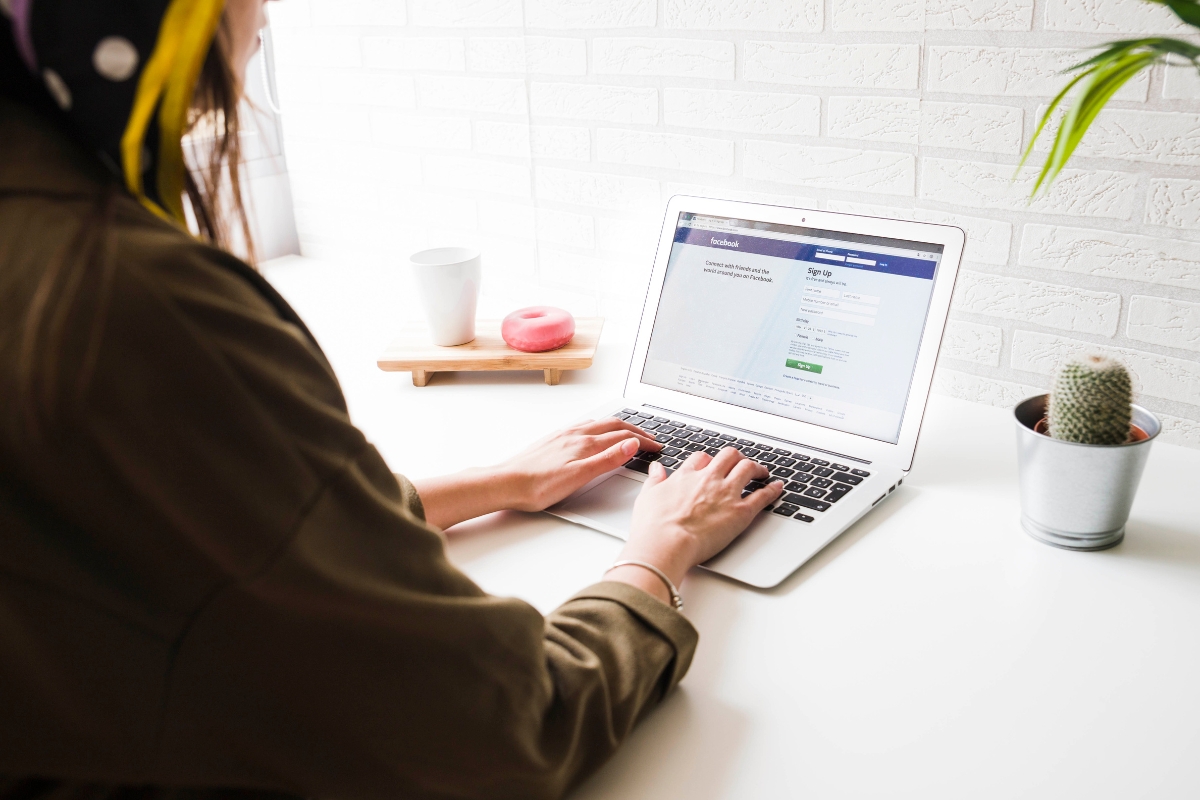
{"type": "Point", "coordinates": [892, 489]}
{"type": "Point", "coordinates": [877, 499]}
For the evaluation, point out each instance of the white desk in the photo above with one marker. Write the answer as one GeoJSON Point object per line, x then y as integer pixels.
{"type": "Point", "coordinates": [933, 651]}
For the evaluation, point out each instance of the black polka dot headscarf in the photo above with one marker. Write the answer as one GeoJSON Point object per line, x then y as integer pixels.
{"type": "Point", "coordinates": [123, 72]}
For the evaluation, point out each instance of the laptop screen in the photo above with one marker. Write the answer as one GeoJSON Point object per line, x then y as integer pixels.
{"type": "Point", "coordinates": [812, 325]}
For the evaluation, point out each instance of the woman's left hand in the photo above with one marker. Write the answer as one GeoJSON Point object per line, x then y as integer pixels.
{"type": "Point", "coordinates": [537, 478]}
{"type": "Point", "coordinates": [556, 466]}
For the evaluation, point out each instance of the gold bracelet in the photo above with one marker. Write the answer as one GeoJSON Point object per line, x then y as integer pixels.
{"type": "Point", "coordinates": [676, 600]}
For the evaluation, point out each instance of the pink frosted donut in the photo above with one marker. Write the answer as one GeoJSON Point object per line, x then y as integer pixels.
{"type": "Point", "coordinates": [537, 328]}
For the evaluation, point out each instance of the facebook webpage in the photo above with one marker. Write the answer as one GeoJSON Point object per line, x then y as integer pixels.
{"type": "Point", "coordinates": [812, 325]}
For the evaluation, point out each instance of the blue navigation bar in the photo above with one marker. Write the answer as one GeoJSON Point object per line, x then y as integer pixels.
{"type": "Point", "coordinates": [812, 253]}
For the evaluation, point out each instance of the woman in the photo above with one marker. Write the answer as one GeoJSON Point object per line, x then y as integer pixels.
{"type": "Point", "coordinates": [209, 580]}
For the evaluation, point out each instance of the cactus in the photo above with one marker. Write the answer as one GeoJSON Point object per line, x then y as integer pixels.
{"type": "Point", "coordinates": [1091, 402]}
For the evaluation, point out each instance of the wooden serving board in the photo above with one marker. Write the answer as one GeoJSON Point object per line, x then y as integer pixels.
{"type": "Point", "coordinates": [414, 352]}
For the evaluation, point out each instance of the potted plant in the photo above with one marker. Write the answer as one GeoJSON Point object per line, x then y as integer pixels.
{"type": "Point", "coordinates": [1081, 449]}
{"type": "Point", "coordinates": [1080, 452]}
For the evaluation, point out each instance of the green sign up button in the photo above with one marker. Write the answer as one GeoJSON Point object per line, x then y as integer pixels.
{"type": "Point", "coordinates": [805, 366]}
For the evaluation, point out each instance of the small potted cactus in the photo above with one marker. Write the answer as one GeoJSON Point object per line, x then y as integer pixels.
{"type": "Point", "coordinates": [1081, 450]}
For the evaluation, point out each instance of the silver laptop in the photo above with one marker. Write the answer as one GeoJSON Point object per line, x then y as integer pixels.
{"type": "Point", "coordinates": [806, 339]}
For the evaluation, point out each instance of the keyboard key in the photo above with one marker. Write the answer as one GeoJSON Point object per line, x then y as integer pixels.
{"type": "Point", "coordinates": [786, 462]}
{"type": "Point", "coordinates": [821, 482]}
{"type": "Point", "coordinates": [805, 467]}
{"type": "Point", "coordinates": [646, 456]}
{"type": "Point", "coordinates": [795, 486]}
{"type": "Point", "coordinates": [766, 448]}
{"type": "Point", "coordinates": [667, 461]}
{"type": "Point", "coordinates": [838, 491]}
{"type": "Point", "coordinates": [628, 411]}
{"type": "Point", "coordinates": [698, 437]}
{"type": "Point", "coordinates": [820, 462]}
{"type": "Point", "coordinates": [709, 433]}
{"type": "Point", "coordinates": [647, 425]}
{"type": "Point", "coordinates": [792, 498]}
{"type": "Point", "coordinates": [621, 415]}
{"type": "Point", "coordinates": [693, 447]}
{"type": "Point", "coordinates": [783, 472]}
{"type": "Point", "coordinates": [692, 428]}
{"type": "Point", "coordinates": [725, 437]}
{"type": "Point", "coordinates": [801, 477]}
{"type": "Point", "coordinates": [670, 451]}
{"type": "Point", "coordinates": [802, 517]}
{"type": "Point", "coordinates": [779, 451]}
{"type": "Point", "coordinates": [839, 467]}
{"type": "Point", "coordinates": [752, 453]}
{"type": "Point", "coordinates": [860, 473]}
{"type": "Point", "coordinates": [817, 493]}
{"type": "Point", "coordinates": [662, 438]}
{"type": "Point", "coordinates": [745, 442]}
{"type": "Point", "coordinates": [766, 458]}
{"type": "Point", "coordinates": [823, 472]}
{"type": "Point", "coordinates": [712, 451]}
{"type": "Point", "coordinates": [638, 466]}
{"type": "Point", "coordinates": [754, 486]}
{"type": "Point", "coordinates": [815, 505]}
{"type": "Point", "coordinates": [660, 419]}
{"type": "Point", "coordinates": [801, 457]}
{"type": "Point", "coordinates": [785, 510]}
{"type": "Point", "coordinates": [846, 477]}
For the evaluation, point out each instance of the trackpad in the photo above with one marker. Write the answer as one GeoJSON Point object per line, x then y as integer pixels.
{"type": "Point", "coordinates": [610, 504]}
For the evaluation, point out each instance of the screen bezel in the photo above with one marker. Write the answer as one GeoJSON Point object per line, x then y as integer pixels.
{"type": "Point", "coordinates": [901, 453]}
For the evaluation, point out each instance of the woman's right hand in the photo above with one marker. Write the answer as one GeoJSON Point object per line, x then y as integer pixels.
{"type": "Point", "coordinates": [687, 519]}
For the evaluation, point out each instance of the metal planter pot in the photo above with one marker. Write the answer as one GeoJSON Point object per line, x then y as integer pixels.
{"type": "Point", "coordinates": [1077, 496]}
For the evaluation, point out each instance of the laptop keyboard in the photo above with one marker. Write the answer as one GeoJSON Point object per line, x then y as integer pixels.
{"type": "Point", "coordinates": [812, 484]}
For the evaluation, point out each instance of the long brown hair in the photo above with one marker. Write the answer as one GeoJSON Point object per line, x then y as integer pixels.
{"type": "Point", "coordinates": [82, 268]}
{"type": "Point", "coordinates": [213, 186]}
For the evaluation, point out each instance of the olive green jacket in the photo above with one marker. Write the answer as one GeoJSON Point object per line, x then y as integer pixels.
{"type": "Point", "coordinates": [209, 579]}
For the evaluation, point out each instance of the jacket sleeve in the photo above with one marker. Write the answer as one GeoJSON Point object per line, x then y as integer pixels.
{"type": "Point", "coordinates": [362, 664]}
{"type": "Point", "coordinates": [329, 648]}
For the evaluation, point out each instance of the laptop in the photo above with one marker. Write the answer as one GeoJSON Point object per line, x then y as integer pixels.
{"type": "Point", "coordinates": [805, 339]}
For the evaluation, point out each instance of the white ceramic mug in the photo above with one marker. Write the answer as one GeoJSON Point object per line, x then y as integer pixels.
{"type": "Point", "coordinates": [448, 278]}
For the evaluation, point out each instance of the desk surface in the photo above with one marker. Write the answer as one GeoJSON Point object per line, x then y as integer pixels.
{"type": "Point", "coordinates": [933, 651]}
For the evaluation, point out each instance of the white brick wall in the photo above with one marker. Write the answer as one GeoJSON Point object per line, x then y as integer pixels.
{"type": "Point", "coordinates": [1109, 16]}
{"type": "Point", "coordinates": [885, 172]}
{"type": "Point", "coordinates": [745, 112]}
{"type": "Point", "coordinates": [1108, 254]}
{"type": "Point", "coordinates": [1053, 305]}
{"type": "Point", "coordinates": [679, 58]}
{"type": "Point", "coordinates": [1174, 202]}
{"type": "Point", "coordinates": [571, 14]}
{"type": "Point", "coordinates": [551, 132]}
{"type": "Point", "coordinates": [796, 16]}
{"type": "Point", "coordinates": [593, 102]}
{"type": "Point", "coordinates": [1160, 137]}
{"type": "Point", "coordinates": [1161, 320]}
{"type": "Point", "coordinates": [878, 15]}
{"type": "Point", "coordinates": [863, 66]}
{"type": "Point", "coordinates": [978, 15]}
{"type": "Point", "coordinates": [878, 119]}
{"type": "Point", "coordinates": [665, 150]}
{"type": "Point", "coordinates": [970, 341]}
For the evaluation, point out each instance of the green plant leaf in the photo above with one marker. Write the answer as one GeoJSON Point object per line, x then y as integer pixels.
{"type": "Point", "coordinates": [1098, 79]}
{"type": "Point", "coordinates": [1186, 10]}
{"type": "Point", "coordinates": [1098, 85]}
